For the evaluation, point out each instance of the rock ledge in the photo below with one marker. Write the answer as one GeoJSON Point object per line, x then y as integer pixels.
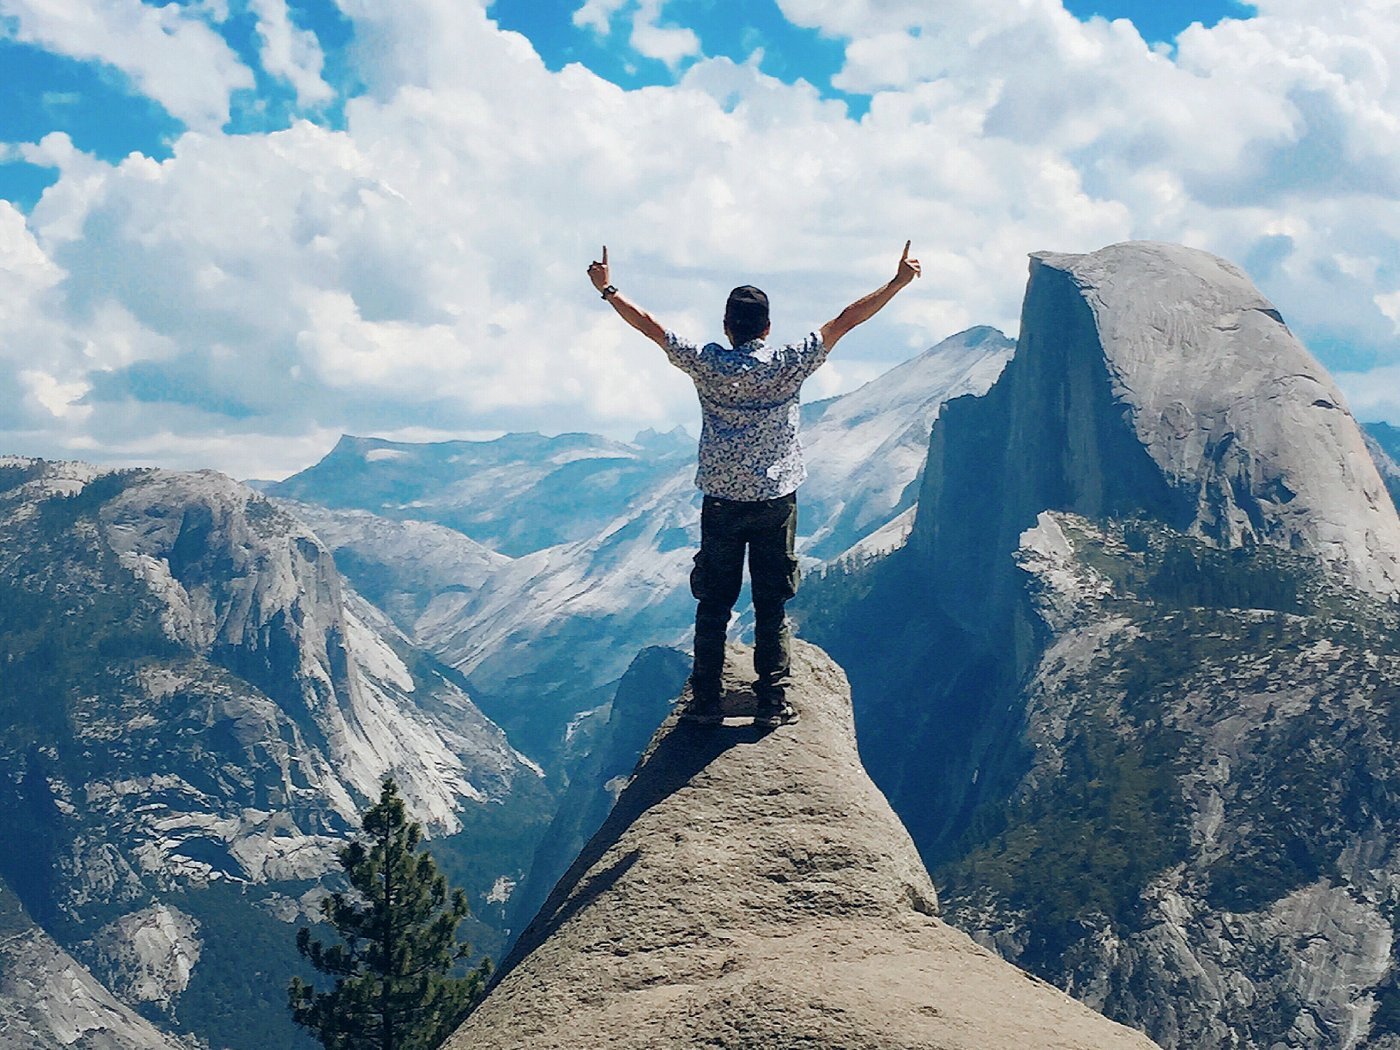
{"type": "Point", "coordinates": [752, 888]}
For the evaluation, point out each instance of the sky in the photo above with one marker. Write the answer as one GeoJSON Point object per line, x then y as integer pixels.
{"type": "Point", "coordinates": [231, 230]}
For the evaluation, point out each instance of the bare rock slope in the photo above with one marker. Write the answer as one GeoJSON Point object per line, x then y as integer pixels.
{"type": "Point", "coordinates": [1151, 380]}
{"type": "Point", "coordinates": [49, 1001]}
{"type": "Point", "coordinates": [754, 889]}
{"type": "Point", "coordinates": [193, 708]}
{"type": "Point", "coordinates": [1243, 423]}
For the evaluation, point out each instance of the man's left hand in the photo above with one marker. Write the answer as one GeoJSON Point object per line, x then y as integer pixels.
{"type": "Point", "coordinates": [598, 271]}
{"type": "Point", "coordinates": [908, 268]}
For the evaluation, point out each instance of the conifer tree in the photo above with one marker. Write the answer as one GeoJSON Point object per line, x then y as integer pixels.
{"type": "Point", "coordinates": [393, 984]}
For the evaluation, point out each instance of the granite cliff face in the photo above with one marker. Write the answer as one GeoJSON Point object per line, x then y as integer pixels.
{"type": "Point", "coordinates": [50, 1001]}
{"type": "Point", "coordinates": [753, 889]}
{"type": "Point", "coordinates": [1152, 379]}
{"type": "Point", "coordinates": [194, 709]}
{"type": "Point", "coordinates": [1245, 754]}
{"type": "Point", "coordinates": [1131, 682]}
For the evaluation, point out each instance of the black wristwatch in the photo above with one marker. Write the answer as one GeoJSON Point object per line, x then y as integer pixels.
{"type": "Point", "coordinates": [609, 291]}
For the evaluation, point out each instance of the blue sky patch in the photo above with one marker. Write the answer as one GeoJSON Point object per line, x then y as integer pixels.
{"type": "Point", "coordinates": [790, 53]}
{"type": "Point", "coordinates": [43, 92]}
{"type": "Point", "coordinates": [103, 113]}
{"type": "Point", "coordinates": [1160, 21]}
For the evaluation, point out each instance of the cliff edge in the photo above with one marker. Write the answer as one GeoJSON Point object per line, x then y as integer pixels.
{"type": "Point", "coordinates": [752, 888]}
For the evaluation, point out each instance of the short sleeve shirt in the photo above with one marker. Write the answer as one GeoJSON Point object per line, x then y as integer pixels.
{"type": "Point", "coordinates": [749, 447]}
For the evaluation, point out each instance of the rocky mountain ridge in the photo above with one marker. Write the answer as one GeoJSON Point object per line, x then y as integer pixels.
{"type": "Point", "coordinates": [547, 634]}
{"type": "Point", "coordinates": [194, 708]}
{"type": "Point", "coordinates": [49, 1000]}
{"type": "Point", "coordinates": [1134, 637]}
{"type": "Point", "coordinates": [1252, 776]}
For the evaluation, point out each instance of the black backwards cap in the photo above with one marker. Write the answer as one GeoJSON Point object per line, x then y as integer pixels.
{"type": "Point", "coordinates": [746, 313]}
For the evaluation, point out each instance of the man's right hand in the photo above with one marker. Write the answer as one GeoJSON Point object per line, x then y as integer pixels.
{"type": "Point", "coordinates": [626, 309]}
{"type": "Point", "coordinates": [865, 308]}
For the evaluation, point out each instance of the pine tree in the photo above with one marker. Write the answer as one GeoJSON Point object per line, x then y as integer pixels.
{"type": "Point", "coordinates": [393, 985]}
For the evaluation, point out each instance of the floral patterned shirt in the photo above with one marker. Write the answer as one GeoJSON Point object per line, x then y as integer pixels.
{"type": "Point", "coordinates": [749, 449]}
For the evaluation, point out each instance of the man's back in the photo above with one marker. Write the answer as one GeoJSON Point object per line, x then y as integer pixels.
{"type": "Point", "coordinates": [749, 400]}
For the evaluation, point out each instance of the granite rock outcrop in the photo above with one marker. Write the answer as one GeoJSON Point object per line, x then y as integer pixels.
{"type": "Point", "coordinates": [752, 888]}
{"type": "Point", "coordinates": [1132, 681]}
{"type": "Point", "coordinates": [195, 706]}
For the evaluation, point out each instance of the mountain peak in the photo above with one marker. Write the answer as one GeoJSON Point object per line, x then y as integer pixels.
{"type": "Point", "coordinates": [1151, 380]}
{"type": "Point", "coordinates": [1247, 430]}
{"type": "Point", "coordinates": [753, 888]}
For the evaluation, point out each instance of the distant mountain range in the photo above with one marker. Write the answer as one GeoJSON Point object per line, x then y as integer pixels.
{"type": "Point", "coordinates": [203, 684]}
{"type": "Point", "coordinates": [544, 636]}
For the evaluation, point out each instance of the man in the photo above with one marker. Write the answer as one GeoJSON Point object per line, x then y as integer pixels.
{"type": "Point", "coordinates": [750, 468]}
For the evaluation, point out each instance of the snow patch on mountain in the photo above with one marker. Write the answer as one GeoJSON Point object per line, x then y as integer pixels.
{"type": "Point", "coordinates": [378, 455]}
{"type": "Point", "coordinates": [887, 539]}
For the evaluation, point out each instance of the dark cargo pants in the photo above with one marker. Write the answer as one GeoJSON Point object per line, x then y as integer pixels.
{"type": "Point", "coordinates": [767, 528]}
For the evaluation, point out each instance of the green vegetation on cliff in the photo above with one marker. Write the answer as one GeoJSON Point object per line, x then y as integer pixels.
{"type": "Point", "coordinates": [392, 966]}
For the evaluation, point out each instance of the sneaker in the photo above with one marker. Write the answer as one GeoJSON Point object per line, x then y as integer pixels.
{"type": "Point", "coordinates": [774, 712]}
{"type": "Point", "coordinates": [703, 711]}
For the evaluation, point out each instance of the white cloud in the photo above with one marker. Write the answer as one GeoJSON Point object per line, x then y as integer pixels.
{"type": "Point", "coordinates": [649, 38]}
{"type": "Point", "coordinates": [597, 15]}
{"type": "Point", "coordinates": [1389, 304]}
{"type": "Point", "coordinates": [59, 399]}
{"type": "Point", "coordinates": [424, 267]}
{"type": "Point", "coordinates": [291, 53]}
{"type": "Point", "coordinates": [24, 267]}
{"type": "Point", "coordinates": [669, 44]}
{"type": "Point", "coordinates": [170, 54]}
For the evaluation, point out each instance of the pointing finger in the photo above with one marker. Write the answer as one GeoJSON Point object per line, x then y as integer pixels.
{"type": "Point", "coordinates": [605, 255]}
{"type": "Point", "coordinates": [906, 251]}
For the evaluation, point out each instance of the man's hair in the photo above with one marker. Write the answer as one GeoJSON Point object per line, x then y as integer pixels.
{"type": "Point", "coordinates": [745, 314]}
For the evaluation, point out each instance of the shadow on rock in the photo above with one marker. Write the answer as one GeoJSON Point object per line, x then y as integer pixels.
{"type": "Point", "coordinates": [682, 750]}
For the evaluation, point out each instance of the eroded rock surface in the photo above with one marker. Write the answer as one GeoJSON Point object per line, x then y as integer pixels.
{"type": "Point", "coordinates": [49, 1001]}
{"type": "Point", "coordinates": [1243, 423]}
{"type": "Point", "coordinates": [752, 888]}
{"type": "Point", "coordinates": [196, 706]}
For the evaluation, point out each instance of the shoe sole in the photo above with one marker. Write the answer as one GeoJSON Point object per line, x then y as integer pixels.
{"type": "Point", "coordinates": [774, 721]}
{"type": "Point", "coordinates": [703, 720]}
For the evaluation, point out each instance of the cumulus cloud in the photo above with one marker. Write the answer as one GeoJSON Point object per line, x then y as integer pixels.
{"type": "Point", "coordinates": [649, 38]}
{"type": "Point", "coordinates": [1389, 304]}
{"type": "Point", "coordinates": [170, 53]}
{"type": "Point", "coordinates": [291, 53]}
{"type": "Point", "coordinates": [597, 15]}
{"type": "Point", "coordinates": [423, 267]}
{"type": "Point", "coordinates": [669, 44]}
{"type": "Point", "coordinates": [1272, 140]}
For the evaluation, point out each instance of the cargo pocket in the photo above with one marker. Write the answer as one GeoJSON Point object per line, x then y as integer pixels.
{"type": "Point", "coordinates": [718, 574]}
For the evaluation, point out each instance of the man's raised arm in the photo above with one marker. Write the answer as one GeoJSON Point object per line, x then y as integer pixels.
{"type": "Point", "coordinates": [633, 315]}
{"type": "Point", "coordinates": [865, 308]}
